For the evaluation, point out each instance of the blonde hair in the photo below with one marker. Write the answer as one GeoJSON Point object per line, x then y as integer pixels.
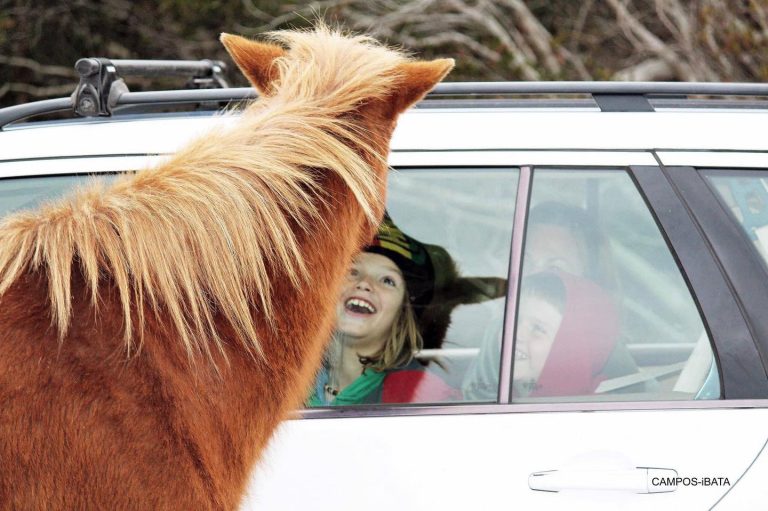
{"type": "Point", "coordinates": [402, 342]}
{"type": "Point", "coordinates": [199, 236]}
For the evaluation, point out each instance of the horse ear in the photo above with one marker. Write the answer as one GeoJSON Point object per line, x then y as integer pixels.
{"type": "Point", "coordinates": [419, 77]}
{"type": "Point", "coordinates": [255, 59]}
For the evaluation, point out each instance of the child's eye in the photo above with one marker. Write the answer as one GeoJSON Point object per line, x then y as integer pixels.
{"type": "Point", "coordinates": [389, 281]}
{"type": "Point", "coordinates": [539, 330]}
{"type": "Point", "coordinates": [353, 272]}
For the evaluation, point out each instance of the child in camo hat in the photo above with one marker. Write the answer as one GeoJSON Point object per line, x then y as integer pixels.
{"type": "Point", "coordinates": [390, 284]}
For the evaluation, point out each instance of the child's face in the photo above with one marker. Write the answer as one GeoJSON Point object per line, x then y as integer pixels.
{"type": "Point", "coordinates": [537, 327]}
{"type": "Point", "coordinates": [370, 301]}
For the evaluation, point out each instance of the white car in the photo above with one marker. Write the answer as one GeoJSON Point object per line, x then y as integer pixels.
{"type": "Point", "coordinates": [652, 392]}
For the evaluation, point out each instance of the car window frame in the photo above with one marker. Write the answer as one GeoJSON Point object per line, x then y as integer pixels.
{"type": "Point", "coordinates": [592, 160]}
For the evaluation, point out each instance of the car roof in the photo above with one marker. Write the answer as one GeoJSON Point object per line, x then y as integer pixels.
{"type": "Point", "coordinates": [443, 129]}
{"type": "Point", "coordinates": [609, 116]}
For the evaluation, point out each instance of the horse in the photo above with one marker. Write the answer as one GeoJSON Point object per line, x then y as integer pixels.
{"type": "Point", "coordinates": [155, 330]}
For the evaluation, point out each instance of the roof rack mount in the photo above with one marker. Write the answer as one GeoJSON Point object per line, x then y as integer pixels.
{"type": "Point", "coordinates": [101, 85]}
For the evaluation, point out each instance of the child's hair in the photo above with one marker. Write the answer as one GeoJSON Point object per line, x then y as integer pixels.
{"type": "Point", "coordinates": [546, 286]}
{"type": "Point", "coordinates": [402, 343]}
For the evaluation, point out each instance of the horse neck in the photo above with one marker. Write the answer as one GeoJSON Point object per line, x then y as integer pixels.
{"type": "Point", "coordinates": [232, 414]}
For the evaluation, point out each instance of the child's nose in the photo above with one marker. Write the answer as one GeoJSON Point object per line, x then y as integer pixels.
{"type": "Point", "coordinates": [364, 284]}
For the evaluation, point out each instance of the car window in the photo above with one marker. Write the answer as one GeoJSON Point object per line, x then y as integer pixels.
{"type": "Point", "coordinates": [461, 218]}
{"type": "Point", "coordinates": [30, 192]}
{"type": "Point", "coordinates": [604, 312]}
{"type": "Point", "coordinates": [745, 195]}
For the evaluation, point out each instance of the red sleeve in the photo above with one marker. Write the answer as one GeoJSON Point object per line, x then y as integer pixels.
{"type": "Point", "coordinates": [417, 387]}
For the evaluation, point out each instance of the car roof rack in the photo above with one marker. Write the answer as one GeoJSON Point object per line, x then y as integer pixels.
{"type": "Point", "coordinates": [609, 96]}
{"type": "Point", "coordinates": [102, 91]}
{"type": "Point", "coordinates": [102, 88]}
{"type": "Point", "coordinates": [101, 82]}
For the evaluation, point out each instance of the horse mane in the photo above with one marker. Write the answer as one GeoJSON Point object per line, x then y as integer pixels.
{"type": "Point", "coordinates": [200, 235]}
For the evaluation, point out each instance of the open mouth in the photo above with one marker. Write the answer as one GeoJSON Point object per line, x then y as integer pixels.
{"type": "Point", "coordinates": [359, 306]}
{"type": "Point", "coordinates": [520, 355]}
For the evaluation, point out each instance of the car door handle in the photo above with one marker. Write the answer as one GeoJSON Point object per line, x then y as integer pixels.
{"type": "Point", "coordinates": [636, 480]}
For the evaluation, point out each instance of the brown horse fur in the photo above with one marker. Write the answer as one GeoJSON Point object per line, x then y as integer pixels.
{"type": "Point", "coordinates": [155, 331]}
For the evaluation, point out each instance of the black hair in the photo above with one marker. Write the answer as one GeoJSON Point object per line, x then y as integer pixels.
{"type": "Point", "coordinates": [546, 285]}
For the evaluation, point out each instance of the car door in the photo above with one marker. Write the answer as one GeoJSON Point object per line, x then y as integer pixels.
{"type": "Point", "coordinates": [727, 193]}
{"type": "Point", "coordinates": [669, 415]}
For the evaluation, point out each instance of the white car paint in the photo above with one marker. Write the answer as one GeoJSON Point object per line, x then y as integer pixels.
{"type": "Point", "coordinates": [422, 130]}
{"type": "Point", "coordinates": [462, 462]}
{"type": "Point", "coordinates": [728, 160]}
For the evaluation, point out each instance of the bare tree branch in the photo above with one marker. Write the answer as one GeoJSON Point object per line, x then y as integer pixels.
{"type": "Point", "coordinates": [650, 70]}
{"type": "Point", "coordinates": [724, 40]}
{"type": "Point", "coordinates": [38, 92]}
{"type": "Point", "coordinates": [38, 68]}
{"type": "Point", "coordinates": [648, 41]}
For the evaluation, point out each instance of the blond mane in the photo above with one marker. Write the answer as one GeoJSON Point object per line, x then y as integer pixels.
{"type": "Point", "coordinates": [200, 235]}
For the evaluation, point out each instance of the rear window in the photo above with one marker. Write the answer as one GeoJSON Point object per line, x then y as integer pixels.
{"type": "Point", "coordinates": [604, 313]}
{"type": "Point", "coordinates": [745, 195]}
{"type": "Point", "coordinates": [31, 192]}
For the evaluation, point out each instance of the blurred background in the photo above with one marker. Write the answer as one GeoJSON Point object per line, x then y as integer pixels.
{"type": "Point", "coordinates": [658, 40]}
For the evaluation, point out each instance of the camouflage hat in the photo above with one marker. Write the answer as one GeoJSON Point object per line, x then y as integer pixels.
{"type": "Point", "coordinates": [411, 257]}
{"type": "Point", "coordinates": [434, 285]}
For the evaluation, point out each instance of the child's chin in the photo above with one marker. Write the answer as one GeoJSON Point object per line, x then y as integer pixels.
{"type": "Point", "coordinates": [351, 330]}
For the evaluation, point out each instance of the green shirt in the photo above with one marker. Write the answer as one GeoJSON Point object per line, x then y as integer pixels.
{"type": "Point", "coordinates": [365, 389]}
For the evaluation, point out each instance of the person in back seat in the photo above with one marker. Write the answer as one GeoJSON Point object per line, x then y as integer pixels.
{"type": "Point", "coordinates": [563, 239]}
{"type": "Point", "coordinates": [371, 357]}
{"type": "Point", "coordinates": [567, 328]}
